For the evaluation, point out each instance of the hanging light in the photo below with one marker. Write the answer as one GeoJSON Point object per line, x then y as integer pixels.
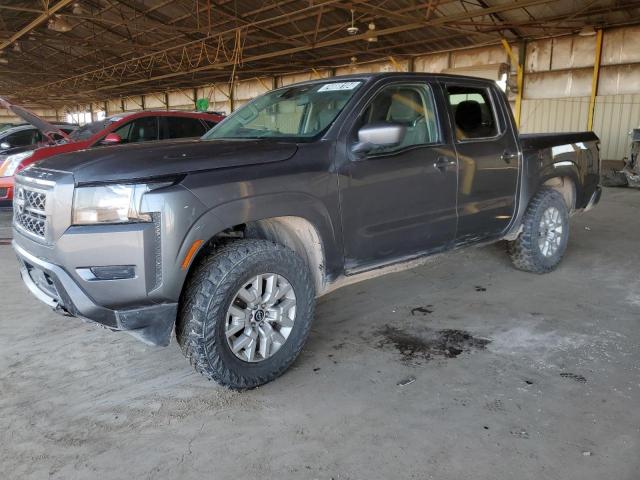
{"type": "Point", "coordinates": [17, 47]}
{"type": "Point", "coordinates": [57, 23]}
{"type": "Point", "coordinates": [372, 38]}
{"type": "Point", "coordinates": [78, 9]}
{"type": "Point", "coordinates": [353, 30]}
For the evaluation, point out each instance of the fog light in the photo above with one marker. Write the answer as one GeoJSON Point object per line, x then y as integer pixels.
{"type": "Point", "coordinates": [114, 272]}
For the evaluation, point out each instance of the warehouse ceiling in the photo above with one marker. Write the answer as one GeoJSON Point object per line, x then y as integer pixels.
{"type": "Point", "coordinates": [59, 52]}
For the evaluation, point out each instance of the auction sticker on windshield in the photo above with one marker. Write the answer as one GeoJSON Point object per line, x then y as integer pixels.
{"type": "Point", "coordinates": [330, 87]}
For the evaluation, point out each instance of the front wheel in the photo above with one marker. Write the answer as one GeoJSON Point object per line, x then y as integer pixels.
{"type": "Point", "coordinates": [543, 241]}
{"type": "Point", "coordinates": [246, 313]}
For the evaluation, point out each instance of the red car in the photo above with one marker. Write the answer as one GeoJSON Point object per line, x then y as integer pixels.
{"type": "Point", "coordinates": [121, 128]}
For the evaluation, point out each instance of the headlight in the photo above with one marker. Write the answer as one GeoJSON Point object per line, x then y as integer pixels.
{"type": "Point", "coordinates": [12, 162]}
{"type": "Point", "coordinates": [112, 203]}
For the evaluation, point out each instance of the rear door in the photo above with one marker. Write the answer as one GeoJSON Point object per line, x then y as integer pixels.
{"type": "Point", "coordinates": [488, 159]}
{"type": "Point", "coordinates": [399, 201]}
{"type": "Point", "coordinates": [181, 127]}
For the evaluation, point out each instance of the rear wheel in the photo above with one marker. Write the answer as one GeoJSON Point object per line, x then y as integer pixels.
{"type": "Point", "coordinates": [246, 313]}
{"type": "Point", "coordinates": [543, 241]}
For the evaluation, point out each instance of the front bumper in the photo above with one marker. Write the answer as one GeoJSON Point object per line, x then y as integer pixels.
{"type": "Point", "coordinates": [52, 285]}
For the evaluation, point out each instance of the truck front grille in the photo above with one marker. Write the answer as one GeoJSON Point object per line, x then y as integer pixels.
{"type": "Point", "coordinates": [29, 210]}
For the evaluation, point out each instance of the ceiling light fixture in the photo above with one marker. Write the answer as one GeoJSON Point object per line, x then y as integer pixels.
{"type": "Point", "coordinates": [77, 8]}
{"type": "Point", "coordinates": [372, 28]}
{"type": "Point", "coordinates": [353, 30]}
{"type": "Point", "coordinates": [59, 24]}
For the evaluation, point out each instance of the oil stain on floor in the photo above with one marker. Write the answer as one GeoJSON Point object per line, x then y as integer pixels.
{"type": "Point", "coordinates": [430, 343]}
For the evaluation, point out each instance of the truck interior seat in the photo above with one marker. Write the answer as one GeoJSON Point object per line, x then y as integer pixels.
{"type": "Point", "coordinates": [469, 118]}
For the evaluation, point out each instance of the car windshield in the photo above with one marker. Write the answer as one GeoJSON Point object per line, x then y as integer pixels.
{"type": "Point", "coordinates": [90, 129]}
{"type": "Point", "coordinates": [299, 112]}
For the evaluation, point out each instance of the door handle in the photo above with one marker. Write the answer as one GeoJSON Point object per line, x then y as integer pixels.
{"type": "Point", "coordinates": [507, 157]}
{"type": "Point", "coordinates": [441, 164]}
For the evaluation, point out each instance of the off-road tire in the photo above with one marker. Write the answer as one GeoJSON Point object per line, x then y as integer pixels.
{"type": "Point", "coordinates": [525, 251]}
{"type": "Point", "coordinates": [208, 294]}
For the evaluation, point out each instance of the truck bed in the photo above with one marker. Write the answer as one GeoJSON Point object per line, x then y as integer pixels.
{"type": "Point", "coordinates": [572, 155]}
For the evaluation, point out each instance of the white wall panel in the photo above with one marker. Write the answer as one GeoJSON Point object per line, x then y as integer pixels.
{"type": "Point", "coordinates": [154, 102]}
{"type": "Point", "coordinates": [133, 104]}
{"type": "Point", "coordinates": [435, 63]}
{"type": "Point", "coordinates": [302, 77]}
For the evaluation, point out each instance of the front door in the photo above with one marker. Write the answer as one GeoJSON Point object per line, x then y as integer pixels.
{"type": "Point", "coordinates": [399, 201]}
{"type": "Point", "coordinates": [488, 159]}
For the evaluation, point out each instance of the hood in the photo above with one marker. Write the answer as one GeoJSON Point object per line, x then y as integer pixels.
{"type": "Point", "coordinates": [28, 116]}
{"type": "Point", "coordinates": [162, 158]}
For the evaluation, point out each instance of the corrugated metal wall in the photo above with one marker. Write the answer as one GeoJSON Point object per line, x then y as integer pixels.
{"type": "Point", "coordinates": [558, 84]}
{"type": "Point", "coordinates": [554, 115]}
{"type": "Point", "coordinates": [614, 117]}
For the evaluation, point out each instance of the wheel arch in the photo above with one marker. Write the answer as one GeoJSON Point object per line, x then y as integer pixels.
{"type": "Point", "coordinates": [566, 186]}
{"type": "Point", "coordinates": [300, 222]}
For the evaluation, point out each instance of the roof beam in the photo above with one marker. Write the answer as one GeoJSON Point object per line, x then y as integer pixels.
{"type": "Point", "coordinates": [342, 40]}
{"type": "Point", "coordinates": [43, 17]}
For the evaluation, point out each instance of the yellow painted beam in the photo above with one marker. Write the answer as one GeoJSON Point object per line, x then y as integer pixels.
{"type": "Point", "coordinates": [519, 63]}
{"type": "Point", "coordinates": [33, 24]}
{"type": "Point", "coordinates": [595, 79]}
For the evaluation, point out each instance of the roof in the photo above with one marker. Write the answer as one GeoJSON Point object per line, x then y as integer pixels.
{"type": "Point", "coordinates": [99, 49]}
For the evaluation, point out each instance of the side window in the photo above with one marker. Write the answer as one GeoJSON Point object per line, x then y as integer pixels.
{"type": "Point", "coordinates": [473, 112]}
{"type": "Point", "coordinates": [144, 129]}
{"type": "Point", "coordinates": [124, 132]}
{"type": "Point", "coordinates": [181, 127]}
{"type": "Point", "coordinates": [409, 105]}
{"type": "Point", "coordinates": [21, 138]}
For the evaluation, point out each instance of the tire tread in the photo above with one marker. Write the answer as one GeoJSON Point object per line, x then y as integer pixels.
{"type": "Point", "coordinates": [207, 289]}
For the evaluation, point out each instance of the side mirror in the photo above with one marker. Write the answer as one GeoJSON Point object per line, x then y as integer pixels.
{"type": "Point", "coordinates": [111, 139]}
{"type": "Point", "coordinates": [4, 145]}
{"type": "Point", "coordinates": [380, 134]}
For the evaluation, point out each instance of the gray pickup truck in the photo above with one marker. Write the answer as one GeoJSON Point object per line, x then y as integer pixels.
{"type": "Point", "coordinates": [229, 239]}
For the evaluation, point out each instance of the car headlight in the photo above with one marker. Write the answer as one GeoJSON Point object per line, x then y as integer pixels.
{"type": "Point", "coordinates": [111, 203]}
{"type": "Point", "coordinates": [12, 162]}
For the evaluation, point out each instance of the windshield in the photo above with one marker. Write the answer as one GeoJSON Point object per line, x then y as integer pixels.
{"type": "Point", "coordinates": [299, 112]}
{"type": "Point", "coordinates": [89, 130]}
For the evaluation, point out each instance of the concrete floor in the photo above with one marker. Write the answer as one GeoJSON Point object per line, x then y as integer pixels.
{"type": "Point", "coordinates": [553, 394]}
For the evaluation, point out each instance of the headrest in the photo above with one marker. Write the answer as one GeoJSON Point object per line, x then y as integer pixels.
{"type": "Point", "coordinates": [469, 115]}
{"type": "Point", "coordinates": [406, 107]}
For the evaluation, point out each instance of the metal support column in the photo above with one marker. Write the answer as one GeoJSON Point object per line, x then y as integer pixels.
{"type": "Point", "coordinates": [519, 62]}
{"type": "Point", "coordinates": [595, 79]}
